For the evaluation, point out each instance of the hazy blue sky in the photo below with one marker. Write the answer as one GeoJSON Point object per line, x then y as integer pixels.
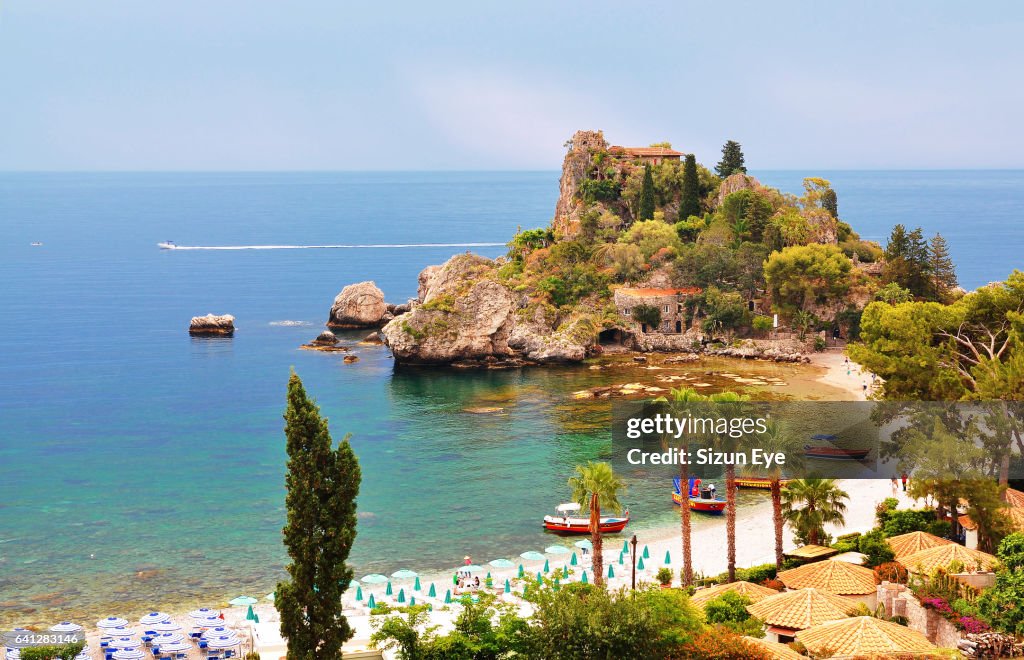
{"type": "Point", "coordinates": [328, 84]}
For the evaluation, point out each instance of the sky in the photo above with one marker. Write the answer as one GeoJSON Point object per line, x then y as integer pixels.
{"type": "Point", "coordinates": [336, 85]}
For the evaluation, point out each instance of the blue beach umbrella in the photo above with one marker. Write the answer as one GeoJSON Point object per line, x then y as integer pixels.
{"type": "Point", "coordinates": [404, 574]}
{"type": "Point", "coordinates": [556, 584]}
{"type": "Point", "coordinates": [472, 568]}
{"type": "Point", "coordinates": [584, 579]}
{"type": "Point", "coordinates": [668, 558]}
{"type": "Point", "coordinates": [359, 593]}
{"type": "Point", "coordinates": [556, 550]}
{"type": "Point", "coordinates": [640, 563]}
{"type": "Point", "coordinates": [372, 603]}
{"type": "Point", "coordinates": [123, 643]}
{"type": "Point", "coordinates": [111, 622]}
{"type": "Point", "coordinates": [401, 595]}
{"type": "Point", "coordinates": [532, 555]}
{"type": "Point", "coordinates": [129, 654]}
{"type": "Point", "coordinates": [488, 575]}
{"type": "Point", "coordinates": [611, 570]}
{"type": "Point", "coordinates": [573, 561]}
{"type": "Point", "coordinates": [508, 586]}
{"type": "Point", "coordinates": [375, 578]}
{"type": "Point", "coordinates": [66, 627]}
{"type": "Point", "coordinates": [169, 626]}
{"type": "Point", "coordinates": [388, 590]}
{"type": "Point", "coordinates": [540, 579]}
{"type": "Point", "coordinates": [622, 559]}
{"type": "Point", "coordinates": [176, 647]}
{"type": "Point", "coordinates": [584, 543]}
{"type": "Point", "coordinates": [647, 554]}
{"type": "Point", "coordinates": [433, 591]}
{"type": "Point", "coordinates": [272, 595]}
{"type": "Point", "coordinates": [501, 563]}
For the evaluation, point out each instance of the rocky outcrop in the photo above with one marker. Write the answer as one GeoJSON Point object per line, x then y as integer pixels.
{"type": "Point", "coordinates": [358, 306]}
{"type": "Point", "coordinates": [212, 325]}
{"type": "Point", "coordinates": [465, 316]}
{"type": "Point", "coordinates": [735, 183]}
{"type": "Point", "coordinates": [765, 349]}
{"type": "Point", "coordinates": [425, 279]}
{"type": "Point", "coordinates": [327, 342]}
{"type": "Point", "coordinates": [578, 162]}
{"type": "Point", "coordinates": [325, 338]}
{"type": "Point", "coordinates": [535, 340]}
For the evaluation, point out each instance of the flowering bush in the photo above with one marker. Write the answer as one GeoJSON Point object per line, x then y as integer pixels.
{"type": "Point", "coordinates": [891, 571]}
{"type": "Point", "coordinates": [971, 625]}
{"type": "Point", "coordinates": [940, 605]}
{"type": "Point", "coordinates": [777, 585]}
{"type": "Point", "coordinates": [966, 623]}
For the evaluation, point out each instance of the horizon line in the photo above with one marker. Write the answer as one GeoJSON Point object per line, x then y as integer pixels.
{"type": "Point", "coordinates": [481, 170]}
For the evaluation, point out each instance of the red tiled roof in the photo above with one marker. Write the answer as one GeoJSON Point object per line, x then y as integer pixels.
{"type": "Point", "coordinates": [639, 293]}
{"type": "Point", "coordinates": [643, 151]}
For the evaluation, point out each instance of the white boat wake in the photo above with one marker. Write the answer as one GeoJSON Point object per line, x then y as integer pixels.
{"type": "Point", "coordinates": [171, 246]}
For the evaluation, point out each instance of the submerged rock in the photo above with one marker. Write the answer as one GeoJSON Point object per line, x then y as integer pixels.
{"type": "Point", "coordinates": [326, 341]}
{"type": "Point", "coordinates": [358, 306]}
{"type": "Point", "coordinates": [212, 325]}
{"type": "Point", "coordinates": [325, 338]}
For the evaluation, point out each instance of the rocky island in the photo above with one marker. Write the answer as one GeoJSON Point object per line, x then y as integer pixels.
{"type": "Point", "coordinates": [212, 325]}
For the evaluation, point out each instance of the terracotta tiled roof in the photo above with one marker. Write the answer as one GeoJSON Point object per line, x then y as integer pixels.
{"type": "Point", "coordinates": [642, 151]}
{"type": "Point", "coordinates": [1014, 498]}
{"type": "Point", "coordinates": [908, 544]}
{"type": "Point", "coordinates": [811, 551]}
{"type": "Point", "coordinates": [640, 293]}
{"type": "Point", "coordinates": [754, 592]}
{"type": "Point", "coordinates": [967, 523]}
{"type": "Point", "coordinates": [775, 650]}
{"type": "Point", "coordinates": [942, 556]}
{"type": "Point", "coordinates": [802, 608]}
{"type": "Point", "coordinates": [863, 636]}
{"type": "Point", "coordinates": [1016, 515]}
{"type": "Point", "coordinates": [836, 577]}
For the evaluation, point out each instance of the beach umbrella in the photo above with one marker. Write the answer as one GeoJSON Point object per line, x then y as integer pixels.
{"type": "Point", "coordinates": [433, 591]}
{"type": "Point", "coordinates": [573, 561]}
{"type": "Point", "coordinates": [167, 626]}
{"type": "Point", "coordinates": [625, 546]}
{"type": "Point", "coordinates": [272, 595]}
{"type": "Point", "coordinates": [219, 631]}
{"type": "Point", "coordinates": [371, 603]}
{"type": "Point", "coordinates": [540, 580]}
{"type": "Point", "coordinates": [448, 597]}
{"type": "Point", "coordinates": [565, 572]}
{"type": "Point", "coordinates": [547, 567]}
{"type": "Point", "coordinates": [585, 579]}
{"type": "Point", "coordinates": [584, 543]}
{"type": "Point", "coordinates": [250, 615]}
{"type": "Point", "coordinates": [532, 555]}
{"type": "Point", "coordinates": [66, 627]}
{"type": "Point", "coordinates": [508, 586]}
{"type": "Point", "coordinates": [526, 589]}
{"type": "Point", "coordinates": [488, 575]}
{"type": "Point", "coordinates": [154, 617]}
{"type": "Point", "coordinates": [622, 559]}
{"type": "Point", "coordinates": [359, 593]}
{"type": "Point", "coordinates": [123, 643]}
{"type": "Point", "coordinates": [556, 584]}
{"type": "Point", "coordinates": [557, 550]}
{"type": "Point", "coordinates": [388, 591]}
{"type": "Point", "coordinates": [404, 574]}
{"type": "Point", "coordinates": [111, 622]}
{"type": "Point", "coordinates": [212, 622]}
{"type": "Point", "coordinates": [647, 554]}
{"type": "Point", "coordinates": [242, 600]}
{"type": "Point", "coordinates": [640, 563]}
{"type": "Point", "coordinates": [375, 578]}
{"type": "Point", "coordinates": [401, 595]}
{"type": "Point", "coordinates": [611, 570]}
{"type": "Point", "coordinates": [412, 601]}
{"type": "Point", "coordinates": [522, 571]}
{"type": "Point", "coordinates": [167, 638]}
{"type": "Point", "coordinates": [175, 647]}
{"type": "Point", "coordinates": [222, 642]}
{"type": "Point", "coordinates": [501, 563]}
{"type": "Point", "coordinates": [202, 613]}
{"type": "Point", "coordinates": [129, 654]}
{"type": "Point", "coordinates": [668, 558]}
{"type": "Point", "coordinates": [256, 618]}
{"type": "Point", "coordinates": [416, 586]}
{"type": "Point", "coordinates": [120, 631]}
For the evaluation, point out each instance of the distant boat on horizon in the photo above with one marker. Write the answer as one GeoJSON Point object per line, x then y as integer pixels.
{"type": "Point", "coordinates": [36, 244]}
{"type": "Point", "coordinates": [166, 245]}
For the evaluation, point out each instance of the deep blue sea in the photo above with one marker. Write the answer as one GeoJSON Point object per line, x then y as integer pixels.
{"type": "Point", "coordinates": [138, 465]}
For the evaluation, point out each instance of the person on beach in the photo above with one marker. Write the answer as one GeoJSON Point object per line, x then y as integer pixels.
{"type": "Point", "coordinates": [864, 386]}
{"type": "Point", "coordinates": [467, 560]}
{"type": "Point", "coordinates": [904, 477]}
{"type": "Point", "coordinates": [895, 488]}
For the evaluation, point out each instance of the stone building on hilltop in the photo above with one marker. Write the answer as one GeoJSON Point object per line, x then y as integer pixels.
{"type": "Point", "coordinates": [646, 155]}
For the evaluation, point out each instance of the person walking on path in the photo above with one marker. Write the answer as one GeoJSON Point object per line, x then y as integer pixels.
{"type": "Point", "coordinates": [904, 477]}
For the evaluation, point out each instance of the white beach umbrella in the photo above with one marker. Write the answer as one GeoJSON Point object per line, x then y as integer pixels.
{"type": "Point", "coordinates": [203, 613]}
{"type": "Point", "coordinates": [123, 643]}
{"type": "Point", "coordinates": [223, 642]}
{"type": "Point", "coordinates": [86, 654]}
{"type": "Point", "coordinates": [155, 617]}
{"type": "Point", "coordinates": [212, 622]}
{"type": "Point", "coordinates": [219, 631]}
{"type": "Point", "coordinates": [166, 627]}
{"type": "Point", "coordinates": [129, 654]}
{"type": "Point", "coordinates": [111, 622]}
{"type": "Point", "coordinates": [13, 654]}
{"type": "Point", "coordinates": [120, 631]}
{"type": "Point", "coordinates": [167, 638]}
{"type": "Point", "coordinates": [66, 627]}
{"type": "Point", "coordinates": [175, 647]}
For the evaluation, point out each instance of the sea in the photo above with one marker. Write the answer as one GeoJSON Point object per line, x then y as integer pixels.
{"type": "Point", "coordinates": [143, 468]}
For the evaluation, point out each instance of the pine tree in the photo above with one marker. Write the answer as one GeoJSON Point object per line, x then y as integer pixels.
{"type": "Point", "coordinates": [830, 202]}
{"type": "Point", "coordinates": [732, 160]}
{"type": "Point", "coordinates": [943, 270]}
{"type": "Point", "coordinates": [919, 258]}
{"type": "Point", "coordinates": [322, 484]}
{"type": "Point", "coordinates": [646, 210]}
{"type": "Point", "coordinates": [689, 200]}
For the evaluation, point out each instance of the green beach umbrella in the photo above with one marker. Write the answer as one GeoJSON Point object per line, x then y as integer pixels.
{"type": "Point", "coordinates": [557, 586]}
{"type": "Point", "coordinates": [640, 563]}
{"type": "Point", "coordinates": [416, 587]}
{"type": "Point", "coordinates": [250, 615]}
{"type": "Point", "coordinates": [433, 592]}
{"type": "Point", "coordinates": [540, 580]}
{"type": "Point", "coordinates": [547, 567]}
{"type": "Point", "coordinates": [412, 601]}
{"type": "Point", "coordinates": [647, 554]}
{"type": "Point", "coordinates": [255, 618]}
{"type": "Point", "coordinates": [359, 593]}
{"type": "Point", "coordinates": [622, 560]}
{"type": "Point", "coordinates": [565, 572]}
{"type": "Point", "coordinates": [508, 586]}
{"type": "Point", "coordinates": [573, 561]}
{"type": "Point", "coordinates": [668, 558]}
{"type": "Point", "coordinates": [611, 570]}
{"type": "Point", "coordinates": [625, 546]}
{"type": "Point", "coordinates": [448, 597]}
{"type": "Point", "coordinates": [585, 579]}
{"type": "Point", "coordinates": [526, 589]}
{"type": "Point", "coordinates": [388, 591]}
{"type": "Point", "coordinates": [488, 576]}
{"type": "Point", "coordinates": [371, 603]}
{"type": "Point", "coordinates": [401, 595]}
{"type": "Point", "coordinates": [522, 571]}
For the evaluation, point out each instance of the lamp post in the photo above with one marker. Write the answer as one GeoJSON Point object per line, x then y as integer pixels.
{"type": "Point", "coordinates": [632, 543]}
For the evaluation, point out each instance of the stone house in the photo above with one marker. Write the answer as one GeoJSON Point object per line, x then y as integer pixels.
{"type": "Point", "coordinates": [646, 155]}
{"type": "Point", "coordinates": [670, 302]}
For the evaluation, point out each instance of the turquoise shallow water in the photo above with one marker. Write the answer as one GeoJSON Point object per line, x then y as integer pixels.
{"type": "Point", "coordinates": [140, 466]}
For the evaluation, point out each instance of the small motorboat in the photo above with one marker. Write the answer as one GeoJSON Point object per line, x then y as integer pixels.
{"type": "Point", "coordinates": [36, 244]}
{"type": "Point", "coordinates": [701, 498]}
{"type": "Point", "coordinates": [834, 453]}
{"type": "Point", "coordinates": [758, 482]}
{"type": "Point", "coordinates": [166, 245]}
{"type": "Point", "coordinates": [568, 521]}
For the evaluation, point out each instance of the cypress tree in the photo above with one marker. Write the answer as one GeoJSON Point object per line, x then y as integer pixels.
{"type": "Point", "coordinates": [646, 210]}
{"type": "Point", "coordinates": [830, 202]}
{"type": "Point", "coordinates": [689, 199]}
{"type": "Point", "coordinates": [943, 270]}
{"type": "Point", "coordinates": [732, 160]}
{"type": "Point", "coordinates": [322, 484]}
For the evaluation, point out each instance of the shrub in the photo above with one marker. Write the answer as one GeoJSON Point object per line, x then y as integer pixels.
{"type": "Point", "coordinates": [762, 323]}
{"type": "Point", "coordinates": [647, 314]}
{"type": "Point", "coordinates": [820, 344]}
{"type": "Point", "coordinates": [970, 624]}
{"type": "Point", "coordinates": [891, 571]}
{"type": "Point", "coordinates": [874, 545]}
{"type": "Point", "coordinates": [599, 191]}
{"type": "Point", "coordinates": [884, 509]}
{"type": "Point", "coordinates": [1011, 551]}
{"type": "Point", "coordinates": [730, 607]}
{"type": "Point", "coordinates": [58, 652]}
{"type": "Point", "coordinates": [775, 584]}
{"type": "Point", "coordinates": [720, 644]}
{"type": "Point", "coordinates": [664, 576]}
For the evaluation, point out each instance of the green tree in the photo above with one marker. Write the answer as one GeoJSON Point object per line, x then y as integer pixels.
{"type": "Point", "coordinates": [809, 504]}
{"type": "Point", "coordinates": [830, 202]}
{"type": "Point", "coordinates": [941, 266]}
{"type": "Point", "coordinates": [908, 262]}
{"type": "Point", "coordinates": [732, 160]}
{"type": "Point", "coordinates": [645, 207]}
{"type": "Point", "coordinates": [689, 200]}
{"type": "Point", "coordinates": [595, 486]}
{"type": "Point", "coordinates": [1001, 604]}
{"type": "Point", "coordinates": [648, 315]}
{"type": "Point", "coordinates": [322, 483]}
{"type": "Point", "coordinates": [730, 611]}
{"type": "Point", "coordinates": [893, 294]}
{"type": "Point", "coordinates": [651, 236]}
{"type": "Point", "coordinates": [875, 547]}
{"type": "Point", "coordinates": [802, 275]}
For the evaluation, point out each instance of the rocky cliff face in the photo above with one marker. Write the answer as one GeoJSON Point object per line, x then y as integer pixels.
{"type": "Point", "coordinates": [358, 306]}
{"type": "Point", "coordinates": [578, 162]}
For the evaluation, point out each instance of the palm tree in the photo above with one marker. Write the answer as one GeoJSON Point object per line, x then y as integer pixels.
{"type": "Point", "coordinates": [777, 439]}
{"type": "Point", "coordinates": [822, 503]}
{"type": "Point", "coordinates": [596, 485]}
{"type": "Point", "coordinates": [726, 443]}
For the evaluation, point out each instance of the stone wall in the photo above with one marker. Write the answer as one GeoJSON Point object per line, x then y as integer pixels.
{"type": "Point", "coordinates": [899, 601]}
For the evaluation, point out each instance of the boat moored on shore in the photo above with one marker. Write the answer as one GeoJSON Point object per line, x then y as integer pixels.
{"type": "Point", "coordinates": [568, 521]}
{"type": "Point", "coordinates": [700, 499]}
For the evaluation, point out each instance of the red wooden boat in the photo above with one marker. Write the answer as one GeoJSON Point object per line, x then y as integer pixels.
{"type": "Point", "coordinates": [567, 521]}
{"type": "Point", "coordinates": [701, 499]}
{"type": "Point", "coordinates": [834, 453]}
